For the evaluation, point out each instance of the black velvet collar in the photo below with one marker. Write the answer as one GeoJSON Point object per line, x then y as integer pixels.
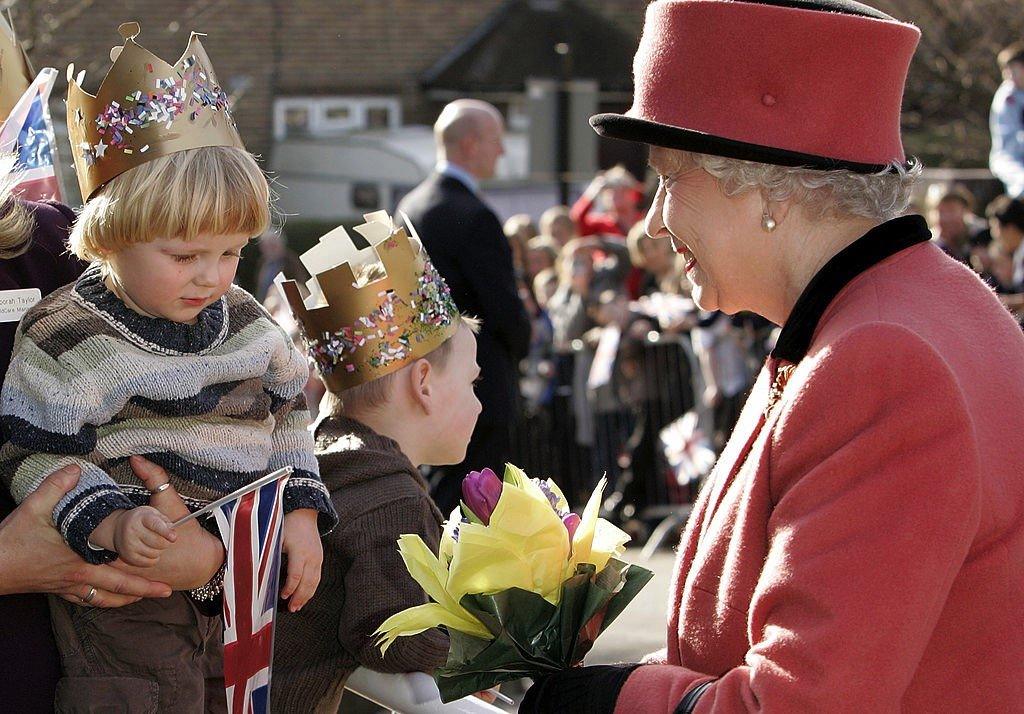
{"type": "Point", "coordinates": [872, 248]}
{"type": "Point", "coordinates": [154, 333]}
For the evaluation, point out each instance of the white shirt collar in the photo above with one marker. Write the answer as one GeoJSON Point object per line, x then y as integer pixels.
{"type": "Point", "coordinates": [446, 168]}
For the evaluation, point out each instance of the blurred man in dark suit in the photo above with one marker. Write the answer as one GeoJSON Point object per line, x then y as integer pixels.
{"type": "Point", "coordinates": [467, 245]}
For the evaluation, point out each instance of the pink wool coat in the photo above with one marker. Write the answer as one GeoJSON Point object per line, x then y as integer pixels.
{"type": "Point", "coordinates": [860, 548]}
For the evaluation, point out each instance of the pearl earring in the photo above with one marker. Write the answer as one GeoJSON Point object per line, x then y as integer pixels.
{"type": "Point", "coordinates": [767, 222]}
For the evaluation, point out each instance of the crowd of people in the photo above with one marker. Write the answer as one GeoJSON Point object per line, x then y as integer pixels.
{"type": "Point", "coordinates": [620, 352]}
{"type": "Point", "coordinates": [593, 353]}
{"type": "Point", "coordinates": [989, 243]}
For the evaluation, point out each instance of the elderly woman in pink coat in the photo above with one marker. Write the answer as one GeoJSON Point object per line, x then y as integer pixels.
{"type": "Point", "coordinates": [860, 544]}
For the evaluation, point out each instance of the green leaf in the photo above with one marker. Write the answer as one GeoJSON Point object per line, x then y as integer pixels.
{"type": "Point", "coordinates": [499, 661]}
{"type": "Point", "coordinates": [468, 513]}
{"type": "Point", "coordinates": [515, 476]}
{"type": "Point", "coordinates": [532, 637]}
{"type": "Point", "coordinates": [522, 616]}
{"type": "Point", "coordinates": [464, 647]}
{"type": "Point", "coordinates": [613, 588]}
{"type": "Point", "coordinates": [635, 580]}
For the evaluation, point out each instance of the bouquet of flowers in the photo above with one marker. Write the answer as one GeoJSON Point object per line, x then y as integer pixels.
{"type": "Point", "coordinates": [522, 585]}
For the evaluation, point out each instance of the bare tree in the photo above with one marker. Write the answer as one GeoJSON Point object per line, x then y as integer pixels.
{"type": "Point", "coordinates": [954, 75]}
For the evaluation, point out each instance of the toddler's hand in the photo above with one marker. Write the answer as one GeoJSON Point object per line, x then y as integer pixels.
{"type": "Point", "coordinates": [137, 536]}
{"type": "Point", "coordinates": [300, 541]}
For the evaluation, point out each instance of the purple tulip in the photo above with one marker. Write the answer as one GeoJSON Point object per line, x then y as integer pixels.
{"type": "Point", "coordinates": [480, 492]}
{"type": "Point", "coordinates": [572, 522]}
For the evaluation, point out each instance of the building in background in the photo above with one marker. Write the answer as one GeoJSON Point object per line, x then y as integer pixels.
{"type": "Point", "coordinates": [338, 95]}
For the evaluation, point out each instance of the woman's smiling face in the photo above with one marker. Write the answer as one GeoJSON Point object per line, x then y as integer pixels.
{"type": "Point", "coordinates": [708, 229]}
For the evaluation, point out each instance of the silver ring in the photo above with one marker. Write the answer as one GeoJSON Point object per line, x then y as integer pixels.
{"type": "Point", "coordinates": [89, 596]}
{"type": "Point", "coordinates": [161, 488]}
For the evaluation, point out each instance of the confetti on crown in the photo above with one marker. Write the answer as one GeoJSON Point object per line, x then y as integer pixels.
{"type": "Point", "coordinates": [357, 330]}
{"type": "Point", "coordinates": [144, 109]}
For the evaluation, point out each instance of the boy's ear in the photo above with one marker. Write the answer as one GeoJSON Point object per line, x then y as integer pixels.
{"type": "Point", "coordinates": [421, 384]}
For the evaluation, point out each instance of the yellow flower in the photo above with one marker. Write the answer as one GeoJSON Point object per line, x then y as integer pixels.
{"type": "Point", "coordinates": [525, 545]}
{"type": "Point", "coordinates": [596, 540]}
{"type": "Point", "coordinates": [431, 574]}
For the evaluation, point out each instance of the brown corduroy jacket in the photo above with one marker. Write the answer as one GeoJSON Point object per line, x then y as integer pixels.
{"type": "Point", "coordinates": [379, 495]}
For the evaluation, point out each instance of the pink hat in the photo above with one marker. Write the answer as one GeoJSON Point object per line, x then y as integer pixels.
{"type": "Point", "coordinates": [814, 83]}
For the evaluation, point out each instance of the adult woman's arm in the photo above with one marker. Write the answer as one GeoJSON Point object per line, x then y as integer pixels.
{"type": "Point", "coordinates": [34, 557]}
{"type": "Point", "coordinates": [195, 556]}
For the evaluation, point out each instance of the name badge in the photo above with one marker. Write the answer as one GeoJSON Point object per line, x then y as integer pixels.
{"type": "Point", "coordinates": [15, 303]}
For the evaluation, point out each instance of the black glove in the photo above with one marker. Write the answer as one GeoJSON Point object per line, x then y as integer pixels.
{"type": "Point", "coordinates": [592, 690]}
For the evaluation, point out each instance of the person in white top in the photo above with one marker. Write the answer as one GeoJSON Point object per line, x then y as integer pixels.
{"type": "Point", "coordinates": [1007, 122]}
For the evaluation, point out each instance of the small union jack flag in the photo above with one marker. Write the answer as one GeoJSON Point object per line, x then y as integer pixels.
{"type": "Point", "coordinates": [28, 133]}
{"type": "Point", "coordinates": [250, 526]}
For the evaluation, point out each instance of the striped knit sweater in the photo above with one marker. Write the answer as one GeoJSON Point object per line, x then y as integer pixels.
{"type": "Point", "coordinates": [218, 404]}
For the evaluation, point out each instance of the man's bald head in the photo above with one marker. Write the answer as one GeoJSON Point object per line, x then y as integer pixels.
{"type": "Point", "coordinates": [468, 132]}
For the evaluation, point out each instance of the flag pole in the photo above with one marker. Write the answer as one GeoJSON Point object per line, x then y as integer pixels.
{"type": "Point", "coordinates": [211, 507]}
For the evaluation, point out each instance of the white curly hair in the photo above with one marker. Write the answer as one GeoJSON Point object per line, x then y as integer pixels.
{"type": "Point", "coordinates": [837, 193]}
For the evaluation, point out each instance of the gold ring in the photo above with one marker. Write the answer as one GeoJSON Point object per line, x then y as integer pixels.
{"type": "Point", "coordinates": [89, 596]}
{"type": "Point", "coordinates": [161, 488]}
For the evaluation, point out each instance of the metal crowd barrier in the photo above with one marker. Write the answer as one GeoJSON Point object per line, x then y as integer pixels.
{"type": "Point", "coordinates": [664, 380]}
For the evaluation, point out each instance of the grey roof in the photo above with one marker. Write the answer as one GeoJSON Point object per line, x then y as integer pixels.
{"type": "Point", "coordinates": [518, 41]}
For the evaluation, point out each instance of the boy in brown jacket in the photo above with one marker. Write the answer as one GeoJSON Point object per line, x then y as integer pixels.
{"type": "Point", "coordinates": [399, 362]}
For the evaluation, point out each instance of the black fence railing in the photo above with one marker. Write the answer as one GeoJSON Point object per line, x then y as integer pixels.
{"type": "Point", "coordinates": [654, 381]}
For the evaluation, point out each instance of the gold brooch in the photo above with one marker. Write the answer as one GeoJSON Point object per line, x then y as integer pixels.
{"type": "Point", "coordinates": [782, 375]}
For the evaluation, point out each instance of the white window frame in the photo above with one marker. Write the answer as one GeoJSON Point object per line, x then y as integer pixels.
{"type": "Point", "coordinates": [320, 125]}
{"type": "Point", "coordinates": [281, 107]}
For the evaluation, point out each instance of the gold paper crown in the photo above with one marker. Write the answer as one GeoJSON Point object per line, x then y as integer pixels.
{"type": "Point", "coordinates": [15, 70]}
{"type": "Point", "coordinates": [359, 330]}
{"type": "Point", "coordinates": [144, 109]}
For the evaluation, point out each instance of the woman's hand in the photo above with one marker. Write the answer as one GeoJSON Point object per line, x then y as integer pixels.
{"type": "Point", "coordinates": [300, 541]}
{"type": "Point", "coordinates": [195, 556]}
{"type": "Point", "coordinates": [34, 557]}
{"type": "Point", "coordinates": [578, 689]}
